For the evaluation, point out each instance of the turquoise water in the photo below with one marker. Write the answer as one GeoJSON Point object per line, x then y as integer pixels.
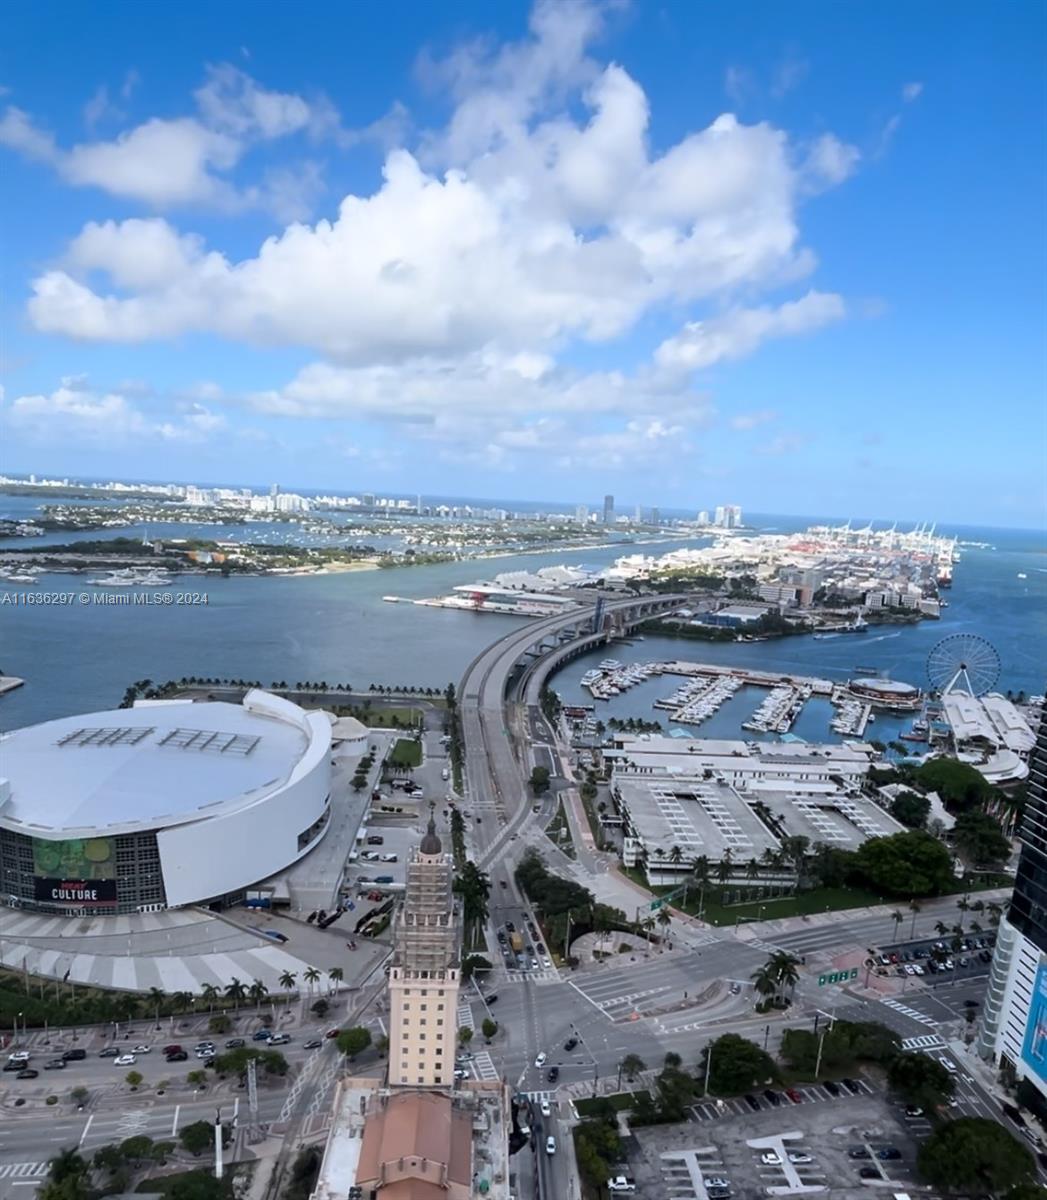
{"type": "Point", "coordinates": [338, 628]}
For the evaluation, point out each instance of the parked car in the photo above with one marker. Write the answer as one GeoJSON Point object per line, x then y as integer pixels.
{"type": "Point", "coordinates": [858, 1152]}
{"type": "Point", "coordinates": [752, 1102]}
{"type": "Point", "coordinates": [620, 1184]}
{"type": "Point", "coordinates": [869, 1173]}
{"type": "Point", "coordinates": [383, 879]}
{"type": "Point", "coordinates": [794, 1095]}
{"type": "Point", "coordinates": [832, 1088]}
{"type": "Point", "coordinates": [852, 1085]}
{"type": "Point", "coordinates": [888, 1153]}
{"type": "Point", "coordinates": [375, 839]}
{"type": "Point", "coordinates": [716, 1182]}
{"type": "Point", "coordinates": [177, 1056]}
{"type": "Point", "coordinates": [770, 1159]}
{"type": "Point", "coordinates": [772, 1098]}
{"type": "Point", "coordinates": [800, 1159]}
{"type": "Point", "coordinates": [913, 1110]}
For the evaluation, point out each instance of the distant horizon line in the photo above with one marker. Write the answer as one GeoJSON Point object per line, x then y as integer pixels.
{"type": "Point", "coordinates": [594, 506]}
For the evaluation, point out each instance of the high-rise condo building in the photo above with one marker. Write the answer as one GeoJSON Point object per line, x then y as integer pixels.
{"type": "Point", "coordinates": [581, 514]}
{"type": "Point", "coordinates": [424, 976]}
{"type": "Point", "coordinates": [1013, 1028]}
{"type": "Point", "coordinates": [608, 510]}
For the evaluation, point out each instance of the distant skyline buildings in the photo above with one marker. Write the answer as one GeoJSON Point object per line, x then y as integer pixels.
{"type": "Point", "coordinates": [608, 510]}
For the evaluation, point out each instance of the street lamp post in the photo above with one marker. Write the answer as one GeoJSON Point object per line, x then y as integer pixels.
{"type": "Point", "coordinates": [708, 1066]}
{"type": "Point", "coordinates": [818, 1060]}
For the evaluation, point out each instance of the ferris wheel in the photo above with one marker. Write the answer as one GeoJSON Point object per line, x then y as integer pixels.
{"type": "Point", "coordinates": [963, 662]}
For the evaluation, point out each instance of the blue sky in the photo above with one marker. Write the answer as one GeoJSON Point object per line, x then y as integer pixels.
{"type": "Point", "coordinates": [786, 256]}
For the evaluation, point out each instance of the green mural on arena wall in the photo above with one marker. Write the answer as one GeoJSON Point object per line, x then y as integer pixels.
{"type": "Point", "coordinates": [75, 858]}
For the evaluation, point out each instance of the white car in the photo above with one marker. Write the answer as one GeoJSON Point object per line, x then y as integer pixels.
{"type": "Point", "coordinates": [540, 1059]}
{"type": "Point", "coordinates": [918, 969]}
{"type": "Point", "coordinates": [547, 963]}
{"type": "Point", "coordinates": [800, 1158]}
{"type": "Point", "coordinates": [124, 1060]}
{"type": "Point", "coordinates": [141, 1049]}
{"type": "Point", "coordinates": [949, 1065]}
{"type": "Point", "coordinates": [620, 1184]}
{"type": "Point", "coordinates": [770, 1159]}
{"type": "Point", "coordinates": [19, 1056]}
{"type": "Point", "coordinates": [550, 1145]}
{"type": "Point", "coordinates": [716, 1183]}
{"type": "Point", "coordinates": [546, 1110]}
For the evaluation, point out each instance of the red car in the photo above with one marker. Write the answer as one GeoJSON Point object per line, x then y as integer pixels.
{"type": "Point", "coordinates": [332, 1033]}
{"type": "Point", "coordinates": [174, 1049]}
{"type": "Point", "coordinates": [794, 1095]}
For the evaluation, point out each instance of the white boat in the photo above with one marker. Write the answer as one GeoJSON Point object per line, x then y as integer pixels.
{"type": "Point", "coordinates": [21, 578]}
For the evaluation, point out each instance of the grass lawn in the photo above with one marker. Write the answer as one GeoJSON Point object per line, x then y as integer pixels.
{"type": "Point", "coordinates": [818, 900]}
{"type": "Point", "coordinates": [620, 1100]}
{"type": "Point", "coordinates": [406, 752]}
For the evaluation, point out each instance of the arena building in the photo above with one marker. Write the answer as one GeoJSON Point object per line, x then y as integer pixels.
{"type": "Point", "coordinates": [886, 693]}
{"type": "Point", "coordinates": [166, 804]}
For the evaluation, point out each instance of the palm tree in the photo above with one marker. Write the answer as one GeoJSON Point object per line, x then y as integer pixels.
{"type": "Point", "coordinates": [700, 869]}
{"type": "Point", "coordinates": [66, 1164]}
{"type": "Point", "coordinates": [940, 928]}
{"type": "Point", "coordinates": [752, 869]}
{"type": "Point", "coordinates": [675, 855]}
{"type": "Point", "coordinates": [311, 975]}
{"type": "Point", "coordinates": [287, 980]}
{"type": "Point", "coordinates": [976, 927]}
{"type": "Point", "coordinates": [236, 992]}
{"type": "Point", "coordinates": [897, 917]}
{"type": "Point", "coordinates": [647, 925]}
{"type": "Point", "coordinates": [258, 992]}
{"type": "Point", "coordinates": [764, 981]}
{"type": "Point", "coordinates": [723, 867]}
{"type": "Point", "coordinates": [335, 975]}
{"type": "Point", "coordinates": [209, 993]}
{"type": "Point", "coordinates": [784, 968]}
{"type": "Point", "coordinates": [995, 912]}
{"type": "Point", "coordinates": [915, 909]}
{"type": "Point", "coordinates": [184, 1000]}
{"type": "Point", "coordinates": [664, 919]}
{"type": "Point", "coordinates": [632, 1065]}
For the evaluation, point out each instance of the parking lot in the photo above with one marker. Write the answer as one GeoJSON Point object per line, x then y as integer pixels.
{"type": "Point", "coordinates": [842, 1144]}
{"type": "Point", "coordinates": [937, 959]}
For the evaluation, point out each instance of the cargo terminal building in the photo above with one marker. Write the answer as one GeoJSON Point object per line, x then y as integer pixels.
{"type": "Point", "coordinates": [166, 804]}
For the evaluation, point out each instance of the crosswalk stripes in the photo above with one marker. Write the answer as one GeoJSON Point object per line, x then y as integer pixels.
{"type": "Point", "coordinates": [913, 1013]}
{"type": "Point", "coordinates": [465, 1015]}
{"type": "Point", "coordinates": [925, 1041]}
{"type": "Point", "coordinates": [538, 1097]}
{"type": "Point", "coordinates": [24, 1170]}
{"type": "Point", "coordinates": [484, 1066]}
{"type": "Point", "coordinates": [541, 976]}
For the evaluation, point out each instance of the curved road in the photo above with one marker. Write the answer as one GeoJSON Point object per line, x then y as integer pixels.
{"type": "Point", "coordinates": [494, 732]}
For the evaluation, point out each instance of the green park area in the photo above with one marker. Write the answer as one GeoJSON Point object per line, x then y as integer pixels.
{"type": "Point", "coordinates": [406, 753]}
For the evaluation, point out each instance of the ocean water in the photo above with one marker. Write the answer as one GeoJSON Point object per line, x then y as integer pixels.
{"type": "Point", "coordinates": [338, 628]}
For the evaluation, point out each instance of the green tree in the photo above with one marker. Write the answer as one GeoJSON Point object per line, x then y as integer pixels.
{"type": "Point", "coordinates": [197, 1137]}
{"type": "Point", "coordinates": [960, 786]}
{"type": "Point", "coordinates": [465, 1035]}
{"type": "Point", "coordinates": [133, 1078]}
{"type": "Point", "coordinates": [911, 809]}
{"type": "Point", "coordinates": [737, 1065]}
{"type": "Point", "coordinates": [219, 1023]}
{"type": "Point", "coordinates": [632, 1065]}
{"type": "Point", "coordinates": [489, 1028]}
{"type": "Point", "coordinates": [979, 838]}
{"type": "Point", "coordinates": [200, 1185]}
{"type": "Point", "coordinates": [474, 887]}
{"type": "Point", "coordinates": [905, 864]}
{"type": "Point", "coordinates": [974, 1155]}
{"type": "Point", "coordinates": [196, 1078]}
{"type": "Point", "coordinates": [352, 1042]}
{"type": "Point", "coordinates": [539, 780]}
{"type": "Point", "coordinates": [66, 1164]}
{"type": "Point", "coordinates": [919, 1079]}
{"type": "Point", "coordinates": [236, 992]}
{"type": "Point", "coordinates": [137, 1149]}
